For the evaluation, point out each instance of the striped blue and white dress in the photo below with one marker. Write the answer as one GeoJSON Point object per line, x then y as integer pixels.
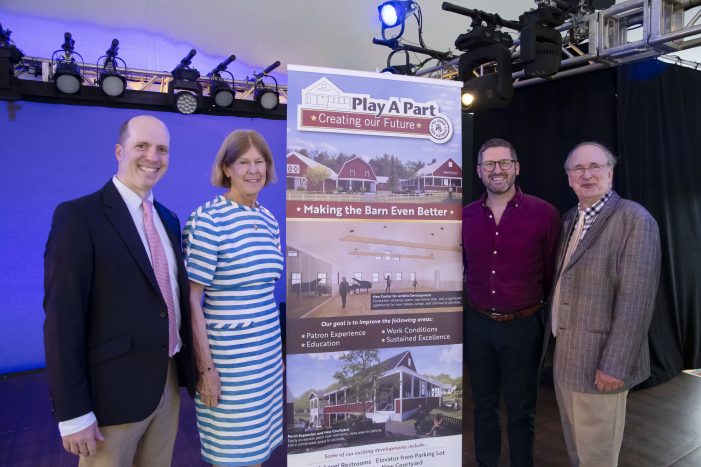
{"type": "Point", "coordinates": [234, 251]}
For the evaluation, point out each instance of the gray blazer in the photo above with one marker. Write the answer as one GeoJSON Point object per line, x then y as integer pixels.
{"type": "Point", "coordinates": [607, 297]}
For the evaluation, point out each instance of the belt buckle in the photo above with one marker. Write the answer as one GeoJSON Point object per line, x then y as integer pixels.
{"type": "Point", "coordinates": [495, 316]}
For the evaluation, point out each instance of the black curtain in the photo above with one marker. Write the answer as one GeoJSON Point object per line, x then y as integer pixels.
{"type": "Point", "coordinates": [659, 108]}
{"type": "Point", "coordinates": [544, 122]}
{"type": "Point", "coordinates": [636, 110]}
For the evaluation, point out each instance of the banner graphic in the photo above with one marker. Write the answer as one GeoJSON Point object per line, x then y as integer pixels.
{"type": "Point", "coordinates": [373, 270]}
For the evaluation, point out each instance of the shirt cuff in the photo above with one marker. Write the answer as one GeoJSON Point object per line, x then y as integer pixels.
{"type": "Point", "coordinates": [77, 424]}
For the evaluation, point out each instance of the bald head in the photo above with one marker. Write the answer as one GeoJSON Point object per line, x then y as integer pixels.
{"type": "Point", "coordinates": [124, 128]}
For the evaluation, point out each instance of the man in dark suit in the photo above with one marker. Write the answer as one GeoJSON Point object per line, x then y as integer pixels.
{"type": "Point", "coordinates": [602, 305]}
{"type": "Point", "coordinates": [117, 332]}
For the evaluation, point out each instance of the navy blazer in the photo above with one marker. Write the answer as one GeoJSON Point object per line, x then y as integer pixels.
{"type": "Point", "coordinates": [106, 327]}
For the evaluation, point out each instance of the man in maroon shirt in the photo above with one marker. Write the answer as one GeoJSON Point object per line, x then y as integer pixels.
{"type": "Point", "coordinates": [510, 241]}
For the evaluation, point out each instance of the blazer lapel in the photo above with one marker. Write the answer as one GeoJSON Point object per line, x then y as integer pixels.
{"type": "Point", "coordinates": [118, 214]}
{"type": "Point", "coordinates": [596, 228]}
{"type": "Point", "coordinates": [567, 226]}
{"type": "Point", "coordinates": [171, 228]}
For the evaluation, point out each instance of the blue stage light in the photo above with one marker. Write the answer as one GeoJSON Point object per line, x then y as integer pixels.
{"type": "Point", "coordinates": [388, 14]}
{"type": "Point", "coordinates": [393, 13]}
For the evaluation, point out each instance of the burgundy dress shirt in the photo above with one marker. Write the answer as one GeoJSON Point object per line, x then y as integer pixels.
{"type": "Point", "coordinates": [510, 266]}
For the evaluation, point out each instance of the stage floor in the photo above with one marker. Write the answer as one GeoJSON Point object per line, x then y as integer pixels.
{"type": "Point", "coordinates": [662, 428]}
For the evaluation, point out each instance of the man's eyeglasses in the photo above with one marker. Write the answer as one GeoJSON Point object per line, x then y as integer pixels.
{"type": "Point", "coordinates": [505, 164]}
{"type": "Point", "coordinates": [594, 169]}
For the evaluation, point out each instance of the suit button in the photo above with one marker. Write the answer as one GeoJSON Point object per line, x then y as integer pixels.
{"type": "Point", "coordinates": [163, 314]}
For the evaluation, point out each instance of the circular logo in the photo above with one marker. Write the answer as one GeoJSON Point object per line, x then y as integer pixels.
{"type": "Point", "coordinates": [439, 128]}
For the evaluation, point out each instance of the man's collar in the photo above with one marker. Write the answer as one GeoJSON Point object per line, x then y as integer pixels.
{"type": "Point", "coordinates": [596, 207]}
{"type": "Point", "coordinates": [128, 195]}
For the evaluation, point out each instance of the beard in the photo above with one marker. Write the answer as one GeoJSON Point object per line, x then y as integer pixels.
{"type": "Point", "coordinates": [501, 187]}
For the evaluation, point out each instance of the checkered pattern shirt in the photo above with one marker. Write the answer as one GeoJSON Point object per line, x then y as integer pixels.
{"type": "Point", "coordinates": [591, 213]}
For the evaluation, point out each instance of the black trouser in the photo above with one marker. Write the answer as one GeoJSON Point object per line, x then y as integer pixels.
{"type": "Point", "coordinates": [503, 358]}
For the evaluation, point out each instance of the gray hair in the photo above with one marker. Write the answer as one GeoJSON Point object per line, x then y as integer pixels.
{"type": "Point", "coordinates": [610, 158]}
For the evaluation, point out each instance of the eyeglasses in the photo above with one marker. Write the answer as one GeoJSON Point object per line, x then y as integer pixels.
{"type": "Point", "coordinates": [505, 164]}
{"type": "Point", "coordinates": [594, 169]}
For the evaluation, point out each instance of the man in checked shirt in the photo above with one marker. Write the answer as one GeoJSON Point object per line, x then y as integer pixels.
{"type": "Point", "coordinates": [510, 241]}
{"type": "Point", "coordinates": [602, 305]}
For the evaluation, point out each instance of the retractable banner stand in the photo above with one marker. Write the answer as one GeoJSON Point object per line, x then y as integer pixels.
{"type": "Point", "coordinates": [374, 270]}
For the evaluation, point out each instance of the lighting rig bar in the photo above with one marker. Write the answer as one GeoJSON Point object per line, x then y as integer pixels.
{"type": "Point", "coordinates": [603, 38]}
{"type": "Point", "coordinates": [32, 80]}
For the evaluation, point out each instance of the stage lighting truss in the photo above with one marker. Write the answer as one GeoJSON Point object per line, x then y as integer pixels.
{"type": "Point", "coordinates": [66, 72]}
{"type": "Point", "coordinates": [595, 34]}
{"type": "Point", "coordinates": [112, 77]}
{"type": "Point", "coordinates": [37, 69]}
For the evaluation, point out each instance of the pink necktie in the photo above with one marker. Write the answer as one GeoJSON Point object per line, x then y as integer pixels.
{"type": "Point", "coordinates": [160, 268]}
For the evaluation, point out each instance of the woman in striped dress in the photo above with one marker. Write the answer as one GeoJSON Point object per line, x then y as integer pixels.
{"type": "Point", "coordinates": [232, 251]}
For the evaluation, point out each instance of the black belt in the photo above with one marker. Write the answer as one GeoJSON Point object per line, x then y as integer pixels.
{"type": "Point", "coordinates": [522, 313]}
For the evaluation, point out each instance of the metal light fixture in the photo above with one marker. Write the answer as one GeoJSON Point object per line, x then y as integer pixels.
{"type": "Point", "coordinates": [467, 99]}
{"type": "Point", "coordinates": [541, 43]}
{"type": "Point", "coordinates": [110, 80]}
{"type": "Point", "coordinates": [220, 91]}
{"type": "Point", "coordinates": [405, 69]}
{"type": "Point", "coordinates": [185, 91]}
{"type": "Point", "coordinates": [485, 47]}
{"type": "Point", "coordinates": [393, 13]}
{"type": "Point", "coordinates": [67, 77]}
{"type": "Point", "coordinates": [10, 56]}
{"type": "Point", "coordinates": [491, 89]}
{"type": "Point", "coordinates": [266, 97]}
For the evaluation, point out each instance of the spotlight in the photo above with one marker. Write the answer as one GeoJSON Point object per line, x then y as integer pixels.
{"type": "Point", "coordinates": [112, 84]}
{"type": "Point", "coordinates": [185, 102]}
{"type": "Point", "coordinates": [110, 80]}
{"type": "Point", "coordinates": [541, 43]}
{"type": "Point", "coordinates": [393, 13]}
{"type": "Point", "coordinates": [67, 76]}
{"type": "Point", "coordinates": [222, 93]}
{"type": "Point", "coordinates": [15, 54]}
{"type": "Point", "coordinates": [485, 46]}
{"type": "Point", "coordinates": [219, 90]}
{"type": "Point", "coordinates": [185, 91]}
{"type": "Point", "coordinates": [267, 98]}
{"type": "Point", "coordinates": [400, 70]}
{"type": "Point", "coordinates": [489, 90]}
{"type": "Point", "coordinates": [10, 56]}
{"type": "Point", "coordinates": [406, 69]}
{"type": "Point", "coordinates": [467, 99]}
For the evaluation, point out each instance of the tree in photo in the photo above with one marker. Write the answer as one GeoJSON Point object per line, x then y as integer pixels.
{"type": "Point", "coordinates": [360, 372]}
{"type": "Point", "coordinates": [316, 176]}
